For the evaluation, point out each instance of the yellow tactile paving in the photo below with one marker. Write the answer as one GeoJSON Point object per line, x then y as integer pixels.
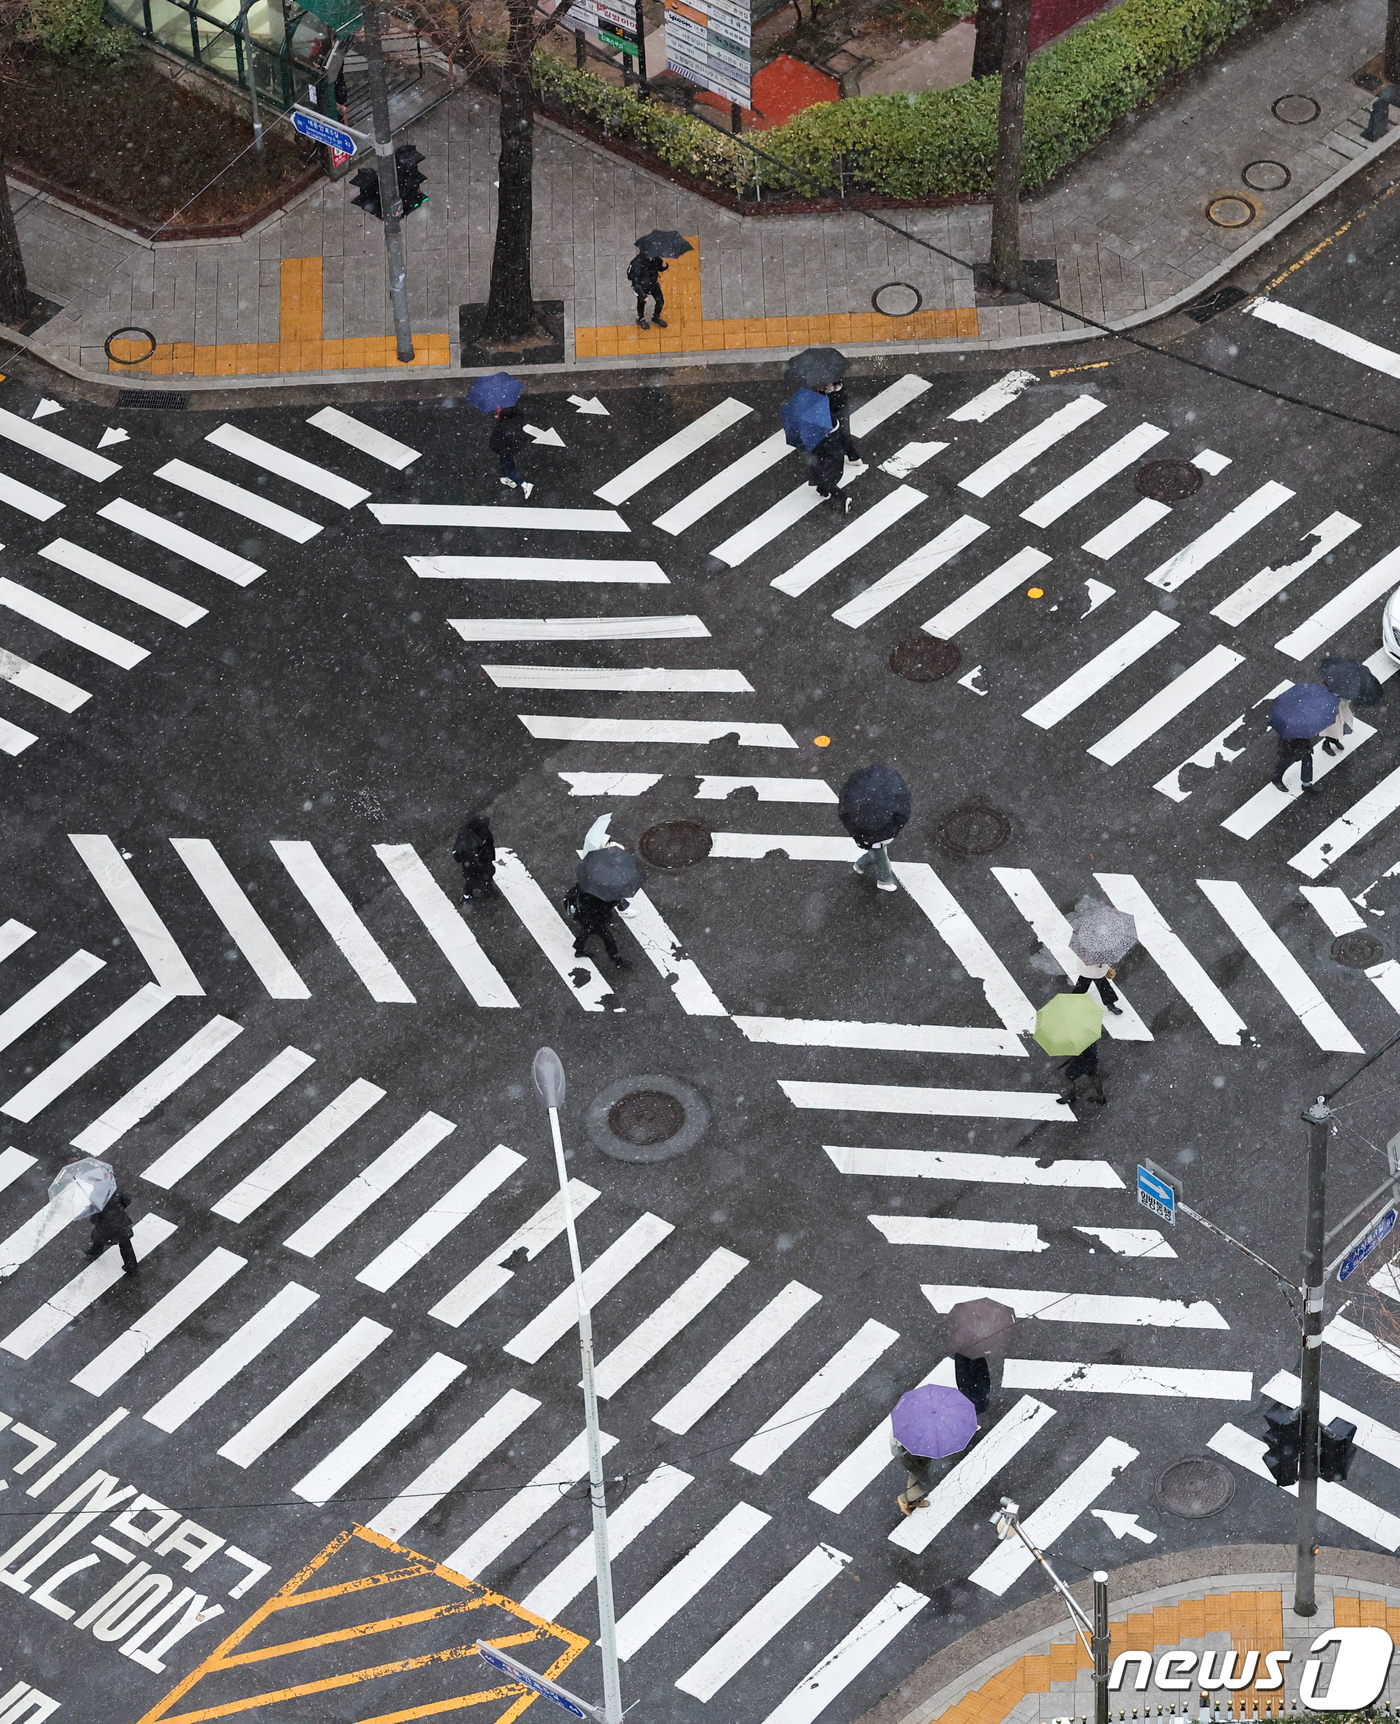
{"type": "Point", "coordinates": [689, 331]}
{"type": "Point", "coordinates": [300, 345]}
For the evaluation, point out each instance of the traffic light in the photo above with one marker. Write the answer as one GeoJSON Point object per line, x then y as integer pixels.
{"type": "Point", "coordinates": [406, 160]}
{"type": "Point", "coordinates": [366, 184]}
{"type": "Point", "coordinates": [1283, 1445]}
{"type": "Point", "coordinates": [1336, 1447]}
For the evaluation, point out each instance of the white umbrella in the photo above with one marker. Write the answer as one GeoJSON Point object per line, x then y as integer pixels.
{"type": "Point", "coordinates": [93, 1180]}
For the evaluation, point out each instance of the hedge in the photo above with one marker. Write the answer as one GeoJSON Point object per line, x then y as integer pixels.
{"type": "Point", "coordinates": [940, 143]}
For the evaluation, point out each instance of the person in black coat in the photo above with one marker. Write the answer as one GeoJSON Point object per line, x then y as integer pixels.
{"type": "Point", "coordinates": [841, 419]}
{"type": "Point", "coordinates": [644, 273]}
{"type": "Point", "coordinates": [825, 465]}
{"type": "Point", "coordinates": [1085, 1065]}
{"type": "Point", "coordinates": [594, 916]}
{"type": "Point", "coordinates": [507, 438]}
{"type": "Point", "coordinates": [475, 852]}
{"type": "Point", "coordinates": [112, 1226]}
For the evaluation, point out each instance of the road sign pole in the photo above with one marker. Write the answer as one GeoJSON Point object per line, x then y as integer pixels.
{"type": "Point", "coordinates": [549, 1082]}
{"type": "Point", "coordinates": [247, 41]}
{"type": "Point", "coordinates": [1101, 1645]}
{"type": "Point", "coordinates": [389, 201]}
{"type": "Point", "coordinates": [1319, 1123]}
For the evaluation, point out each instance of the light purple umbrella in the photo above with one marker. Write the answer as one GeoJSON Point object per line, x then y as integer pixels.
{"type": "Point", "coordinates": [934, 1421]}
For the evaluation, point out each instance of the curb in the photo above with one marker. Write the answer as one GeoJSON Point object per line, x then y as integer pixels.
{"type": "Point", "coordinates": [737, 356]}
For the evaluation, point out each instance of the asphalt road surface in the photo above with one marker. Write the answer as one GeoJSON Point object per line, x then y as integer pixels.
{"type": "Point", "coordinates": [267, 692]}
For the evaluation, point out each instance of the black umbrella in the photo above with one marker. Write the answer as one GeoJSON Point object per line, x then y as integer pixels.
{"type": "Point", "coordinates": [610, 874]}
{"type": "Point", "coordinates": [875, 804]}
{"type": "Point", "coordinates": [1350, 680]}
{"type": "Point", "coordinates": [816, 367]}
{"type": "Point", "coordinates": [663, 243]}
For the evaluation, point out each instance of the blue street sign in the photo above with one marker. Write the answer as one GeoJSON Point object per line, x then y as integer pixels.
{"type": "Point", "coordinates": [537, 1684]}
{"type": "Point", "coordinates": [1361, 1248]}
{"type": "Point", "coordinates": [323, 131]}
{"type": "Point", "coordinates": [1155, 1194]}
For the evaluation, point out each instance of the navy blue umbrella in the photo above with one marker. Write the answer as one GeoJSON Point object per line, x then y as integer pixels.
{"type": "Point", "coordinates": [1351, 680]}
{"type": "Point", "coordinates": [806, 418]}
{"type": "Point", "coordinates": [1306, 709]}
{"type": "Point", "coordinates": [489, 394]}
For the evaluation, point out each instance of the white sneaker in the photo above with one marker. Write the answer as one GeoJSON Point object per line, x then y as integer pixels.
{"type": "Point", "coordinates": [527, 488]}
{"type": "Point", "coordinates": [888, 885]}
{"type": "Point", "coordinates": [510, 482]}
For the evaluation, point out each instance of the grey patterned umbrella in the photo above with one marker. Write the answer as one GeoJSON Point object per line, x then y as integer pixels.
{"type": "Point", "coordinates": [1102, 935]}
{"type": "Point", "coordinates": [977, 1327]}
{"type": "Point", "coordinates": [610, 873]}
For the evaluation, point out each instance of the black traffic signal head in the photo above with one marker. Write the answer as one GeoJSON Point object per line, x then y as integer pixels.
{"type": "Point", "coordinates": [1336, 1446]}
{"type": "Point", "coordinates": [406, 160]}
{"type": "Point", "coordinates": [1283, 1445]}
{"type": "Point", "coordinates": [366, 184]}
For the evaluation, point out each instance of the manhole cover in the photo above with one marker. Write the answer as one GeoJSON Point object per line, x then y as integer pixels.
{"type": "Point", "coordinates": [1230, 212]}
{"type": "Point", "coordinates": [921, 658]}
{"type": "Point", "coordinates": [675, 843]}
{"type": "Point", "coordinates": [1167, 481]}
{"type": "Point", "coordinates": [1357, 951]}
{"type": "Point", "coordinates": [1195, 1486]}
{"type": "Point", "coordinates": [1296, 110]}
{"type": "Point", "coordinates": [646, 1116]}
{"type": "Point", "coordinates": [974, 830]}
{"type": "Point", "coordinates": [897, 299]}
{"type": "Point", "coordinates": [1266, 176]}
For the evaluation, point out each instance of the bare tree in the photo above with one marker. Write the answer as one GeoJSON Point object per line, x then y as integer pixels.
{"type": "Point", "coordinates": [1011, 129]}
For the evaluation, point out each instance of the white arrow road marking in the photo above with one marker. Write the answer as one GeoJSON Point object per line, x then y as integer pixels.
{"type": "Point", "coordinates": [589, 404]}
{"type": "Point", "coordinates": [550, 436]}
{"type": "Point", "coordinates": [113, 434]}
{"type": "Point", "coordinates": [1118, 1524]}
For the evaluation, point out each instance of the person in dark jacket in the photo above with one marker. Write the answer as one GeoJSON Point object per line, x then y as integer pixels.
{"type": "Point", "coordinates": [644, 273]}
{"type": "Point", "coordinates": [1291, 748]}
{"type": "Point", "coordinates": [876, 840]}
{"type": "Point", "coordinates": [825, 465]}
{"type": "Point", "coordinates": [112, 1226]}
{"type": "Point", "coordinates": [594, 916]}
{"type": "Point", "coordinates": [973, 1378]}
{"type": "Point", "coordinates": [508, 437]}
{"type": "Point", "coordinates": [841, 419]}
{"type": "Point", "coordinates": [475, 851]}
{"type": "Point", "coordinates": [1085, 1065]}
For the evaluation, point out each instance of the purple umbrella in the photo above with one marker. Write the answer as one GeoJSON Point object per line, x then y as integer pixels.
{"type": "Point", "coordinates": [934, 1421]}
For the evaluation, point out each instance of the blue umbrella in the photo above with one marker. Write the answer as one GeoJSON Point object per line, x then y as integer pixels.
{"type": "Point", "coordinates": [806, 418]}
{"type": "Point", "coordinates": [1306, 709]}
{"type": "Point", "coordinates": [489, 394]}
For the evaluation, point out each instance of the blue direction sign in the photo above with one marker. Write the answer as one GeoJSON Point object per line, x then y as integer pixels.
{"type": "Point", "coordinates": [1362, 1247]}
{"type": "Point", "coordinates": [1157, 1195]}
{"type": "Point", "coordinates": [323, 131]}
{"type": "Point", "coordinates": [537, 1684]}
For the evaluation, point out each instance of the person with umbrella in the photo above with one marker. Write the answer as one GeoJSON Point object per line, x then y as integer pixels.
{"type": "Point", "coordinates": [929, 1424]}
{"type": "Point", "coordinates": [604, 878]}
{"type": "Point", "coordinates": [1101, 937]}
{"type": "Point", "coordinates": [821, 369]}
{"type": "Point", "coordinates": [874, 807]}
{"type": "Point", "coordinates": [1298, 717]}
{"type": "Point", "coordinates": [646, 269]}
{"type": "Point", "coordinates": [498, 395]}
{"type": "Point", "coordinates": [1072, 1024]}
{"type": "Point", "coordinates": [1353, 685]}
{"type": "Point", "coordinates": [112, 1226]}
{"type": "Point", "coordinates": [475, 854]}
{"type": "Point", "coordinates": [807, 423]}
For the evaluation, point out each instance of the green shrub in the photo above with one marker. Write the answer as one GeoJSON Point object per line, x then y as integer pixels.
{"type": "Point", "coordinates": [940, 143]}
{"type": "Point", "coordinates": [74, 30]}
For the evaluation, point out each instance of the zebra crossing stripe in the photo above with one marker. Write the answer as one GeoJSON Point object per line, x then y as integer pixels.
{"type": "Point", "coordinates": [956, 1234]}
{"type": "Point", "coordinates": [318, 480]}
{"type": "Point", "coordinates": [32, 1235]}
{"type": "Point", "coordinates": [1069, 492]}
{"type": "Point", "coordinates": [1328, 335]}
{"type": "Point", "coordinates": [857, 1471]}
{"type": "Point", "coordinates": [1268, 802]}
{"type": "Point", "coordinates": [1377, 1439]}
{"type": "Point", "coordinates": [991, 400]}
{"type": "Point", "coordinates": [602, 1276]}
{"type": "Point", "coordinates": [1130, 525]}
{"type": "Point", "coordinates": [22, 1015]}
{"type": "Point", "coordinates": [1216, 540]}
{"type": "Point", "coordinates": [713, 1381]}
{"type": "Point", "coordinates": [14, 1162]}
{"type": "Point", "coordinates": [562, 1585]}
{"type": "Point", "coordinates": [843, 545]}
{"type": "Point", "coordinates": [780, 518]}
{"type": "Point", "coordinates": [911, 1099]}
{"type": "Point", "coordinates": [1027, 448]}
{"type": "Point", "coordinates": [87, 1286]}
{"type": "Point", "coordinates": [337, 915]}
{"type": "Point", "coordinates": [194, 1289]}
{"type": "Point", "coordinates": [911, 456]}
{"type": "Point", "coordinates": [299, 1151]}
{"type": "Point", "coordinates": [907, 1038]}
{"type": "Point", "coordinates": [136, 913]}
{"type": "Point", "coordinates": [1344, 1506]}
{"type": "Point", "coordinates": [261, 511]}
{"type": "Point", "coordinates": [306, 1391]}
{"type": "Point", "coordinates": [849, 1657]}
{"type": "Point", "coordinates": [88, 1051]}
{"type": "Point", "coordinates": [724, 484]}
{"type": "Point", "coordinates": [451, 935]}
{"type": "Point", "coordinates": [27, 500]}
{"type": "Point", "coordinates": [365, 438]}
{"type": "Point", "coordinates": [204, 553]}
{"type": "Point", "coordinates": [673, 451]}
{"type": "Point", "coordinates": [905, 576]}
{"type": "Point", "coordinates": [244, 926]}
{"type": "Point", "coordinates": [1340, 917]}
{"type": "Point", "coordinates": [384, 1425]}
{"type": "Point", "coordinates": [550, 932]}
{"type": "Point", "coordinates": [965, 941]}
{"type": "Point", "coordinates": [216, 1372]}
{"type": "Point", "coordinates": [159, 1085]}
{"type": "Point", "coordinates": [965, 1166]}
{"type": "Point", "coordinates": [818, 1395]}
{"type": "Point", "coordinates": [606, 679]}
{"type": "Point", "coordinates": [1168, 703]}
{"type": "Point", "coordinates": [1130, 1241]}
{"type": "Point", "coordinates": [454, 1464]}
{"type": "Point", "coordinates": [1269, 583]}
{"type": "Point", "coordinates": [1175, 961]}
{"type": "Point", "coordinates": [655, 730]}
{"type": "Point", "coordinates": [174, 607]}
{"type": "Point", "coordinates": [989, 591]}
{"type": "Point", "coordinates": [687, 1578]}
{"type": "Point", "coordinates": [1136, 1312]}
{"type": "Point", "coordinates": [14, 739]}
{"type": "Point", "coordinates": [43, 685]}
{"type": "Point", "coordinates": [693, 994]}
{"type": "Point", "coordinates": [579, 628]}
{"type": "Point", "coordinates": [41, 441]}
{"type": "Point", "coordinates": [490, 1275]}
{"type": "Point", "coordinates": [1089, 1480]}
{"type": "Point", "coordinates": [798, 847]}
{"type": "Point", "coordinates": [1292, 983]}
{"type": "Point", "coordinates": [1378, 804]}
{"type": "Point", "coordinates": [769, 1617]}
{"type": "Point", "coordinates": [1359, 1344]}
{"type": "Point", "coordinates": [694, 1295]}
{"type": "Point", "coordinates": [1315, 631]}
{"type": "Point", "coordinates": [366, 1188]}
{"type": "Point", "coordinates": [611, 783]}
{"type": "Point", "coordinates": [1065, 1376]}
{"type": "Point", "coordinates": [1115, 658]}
{"type": "Point", "coordinates": [234, 1112]}
{"type": "Point", "coordinates": [519, 517]}
{"type": "Point", "coordinates": [13, 933]}
{"type": "Point", "coordinates": [538, 569]}
{"type": "Point", "coordinates": [528, 1505]}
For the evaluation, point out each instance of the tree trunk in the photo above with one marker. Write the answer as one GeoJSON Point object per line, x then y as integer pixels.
{"type": "Point", "coordinates": [1006, 195]}
{"type": "Point", "coordinates": [991, 36]}
{"type": "Point", "coordinates": [510, 308]}
{"type": "Point", "coordinates": [16, 301]}
{"type": "Point", "coordinates": [1392, 42]}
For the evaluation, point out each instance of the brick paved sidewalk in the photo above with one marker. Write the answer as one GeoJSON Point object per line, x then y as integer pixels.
{"type": "Point", "coordinates": [304, 294]}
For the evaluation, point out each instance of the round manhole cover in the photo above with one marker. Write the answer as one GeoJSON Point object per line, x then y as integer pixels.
{"type": "Point", "coordinates": [1195, 1486]}
{"type": "Point", "coordinates": [1266, 176]}
{"type": "Point", "coordinates": [675, 843]}
{"type": "Point", "coordinates": [1230, 212]}
{"type": "Point", "coordinates": [1296, 110]}
{"type": "Point", "coordinates": [922, 658]}
{"type": "Point", "coordinates": [645, 1117]}
{"type": "Point", "coordinates": [974, 830]}
{"type": "Point", "coordinates": [897, 299]}
{"type": "Point", "coordinates": [1167, 481]}
{"type": "Point", "coordinates": [1357, 951]}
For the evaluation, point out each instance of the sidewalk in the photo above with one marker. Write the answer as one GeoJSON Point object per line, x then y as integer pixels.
{"type": "Point", "coordinates": [303, 296]}
{"type": "Point", "coordinates": [1028, 1668]}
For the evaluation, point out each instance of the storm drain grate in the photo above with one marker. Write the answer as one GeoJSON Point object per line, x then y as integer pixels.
{"type": "Point", "coordinates": [1167, 481]}
{"type": "Point", "coordinates": [1357, 951]}
{"type": "Point", "coordinates": [1195, 1487]}
{"type": "Point", "coordinates": [1222, 300]}
{"type": "Point", "coordinates": [168, 398]}
{"type": "Point", "coordinates": [974, 830]}
{"type": "Point", "coordinates": [675, 843]}
{"type": "Point", "coordinates": [922, 658]}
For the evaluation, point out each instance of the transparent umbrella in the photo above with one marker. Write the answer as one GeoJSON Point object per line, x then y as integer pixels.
{"type": "Point", "coordinates": [93, 1181]}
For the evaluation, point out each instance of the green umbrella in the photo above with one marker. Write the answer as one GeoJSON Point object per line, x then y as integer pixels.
{"type": "Point", "coordinates": [1068, 1024]}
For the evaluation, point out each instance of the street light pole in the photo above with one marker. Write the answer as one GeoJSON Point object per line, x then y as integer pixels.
{"type": "Point", "coordinates": [1101, 1645]}
{"type": "Point", "coordinates": [390, 203]}
{"type": "Point", "coordinates": [549, 1084]}
{"type": "Point", "coordinates": [1319, 1122]}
